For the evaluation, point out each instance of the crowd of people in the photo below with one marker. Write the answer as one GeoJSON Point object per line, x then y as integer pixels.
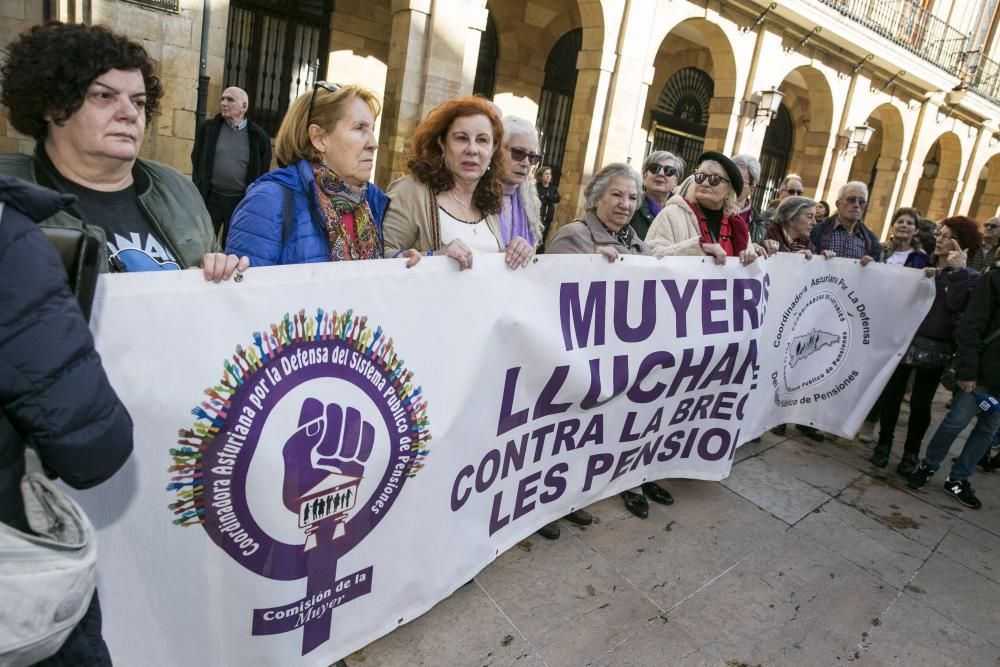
{"type": "Point", "coordinates": [476, 184]}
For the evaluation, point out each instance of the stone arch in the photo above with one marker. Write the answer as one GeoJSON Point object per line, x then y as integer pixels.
{"type": "Point", "coordinates": [808, 97]}
{"type": "Point", "coordinates": [940, 171]}
{"type": "Point", "coordinates": [693, 44]}
{"type": "Point", "coordinates": [986, 200]}
{"type": "Point", "coordinates": [879, 165]}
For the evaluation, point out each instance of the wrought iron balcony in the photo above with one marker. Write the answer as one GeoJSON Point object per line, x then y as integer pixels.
{"type": "Point", "coordinates": [907, 24]}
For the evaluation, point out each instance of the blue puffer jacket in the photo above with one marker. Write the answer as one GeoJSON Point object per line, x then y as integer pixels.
{"type": "Point", "coordinates": [256, 226]}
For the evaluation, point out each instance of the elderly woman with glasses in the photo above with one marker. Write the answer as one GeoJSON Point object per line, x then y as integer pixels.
{"type": "Point", "coordinates": [611, 197]}
{"type": "Point", "coordinates": [702, 218]}
{"type": "Point", "coordinates": [661, 172]}
{"type": "Point", "coordinates": [521, 212]}
{"type": "Point", "coordinates": [450, 203]}
{"type": "Point", "coordinates": [931, 346]}
{"type": "Point", "coordinates": [320, 207]}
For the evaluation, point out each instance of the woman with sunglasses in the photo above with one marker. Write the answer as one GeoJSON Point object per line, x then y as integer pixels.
{"type": "Point", "coordinates": [701, 219]}
{"type": "Point", "coordinates": [321, 206]}
{"type": "Point", "coordinates": [661, 172]}
{"type": "Point", "coordinates": [521, 212]}
{"type": "Point", "coordinates": [451, 201]}
{"type": "Point", "coordinates": [956, 238]}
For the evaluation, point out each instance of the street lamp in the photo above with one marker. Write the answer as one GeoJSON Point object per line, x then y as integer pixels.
{"type": "Point", "coordinates": [770, 101]}
{"type": "Point", "coordinates": [861, 136]}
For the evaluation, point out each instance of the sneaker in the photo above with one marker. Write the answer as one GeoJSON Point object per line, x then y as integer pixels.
{"type": "Point", "coordinates": [919, 477]}
{"type": "Point", "coordinates": [880, 455]}
{"type": "Point", "coordinates": [907, 464]}
{"type": "Point", "coordinates": [867, 432]}
{"type": "Point", "coordinates": [962, 491]}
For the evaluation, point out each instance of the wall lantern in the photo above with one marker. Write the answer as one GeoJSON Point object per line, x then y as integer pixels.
{"type": "Point", "coordinates": [770, 101]}
{"type": "Point", "coordinates": [861, 136]}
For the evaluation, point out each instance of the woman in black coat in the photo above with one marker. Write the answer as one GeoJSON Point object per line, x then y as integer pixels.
{"type": "Point", "coordinates": [549, 196]}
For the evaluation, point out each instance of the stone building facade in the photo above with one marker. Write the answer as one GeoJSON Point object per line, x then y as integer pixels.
{"type": "Point", "coordinates": [609, 80]}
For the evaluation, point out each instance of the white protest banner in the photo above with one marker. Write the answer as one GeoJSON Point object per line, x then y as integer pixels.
{"type": "Point", "coordinates": [323, 452]}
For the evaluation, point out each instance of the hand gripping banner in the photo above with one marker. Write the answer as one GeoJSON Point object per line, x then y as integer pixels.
{"type": "Point", "coordinates": [324, 452]}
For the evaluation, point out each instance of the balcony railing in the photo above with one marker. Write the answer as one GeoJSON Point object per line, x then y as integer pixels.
{"type": "Point", "coordinates": [907, 24]}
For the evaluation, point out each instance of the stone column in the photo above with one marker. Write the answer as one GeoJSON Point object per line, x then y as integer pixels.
{"type": "Point", "coordinates": [433, 48]}
{"type": "Point", "coordinates": [881, 196]}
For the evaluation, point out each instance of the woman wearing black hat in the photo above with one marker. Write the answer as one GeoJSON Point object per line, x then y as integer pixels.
{"type": "Point", "coordinates": [701, 218]}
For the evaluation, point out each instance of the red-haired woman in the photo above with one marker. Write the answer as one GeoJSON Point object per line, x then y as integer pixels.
{"type": "Point", "coordinates": [450, 202]}
{"type": "Point", "coordinates": [932, 345]}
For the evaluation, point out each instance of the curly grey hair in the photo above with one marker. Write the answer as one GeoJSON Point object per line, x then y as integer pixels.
{"type": "Point", "coordinates": [598, 185]}
{"type": "Point", "coordinates": [751, 164]}
{"type": "Point", "coordinates": [526, 191]}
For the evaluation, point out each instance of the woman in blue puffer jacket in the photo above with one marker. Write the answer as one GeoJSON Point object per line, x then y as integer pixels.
{"type": "Point", "coordinates": [321, 206]}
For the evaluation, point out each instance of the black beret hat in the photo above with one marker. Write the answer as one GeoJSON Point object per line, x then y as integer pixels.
{"type": "Point", "coordinates": [732, 171]}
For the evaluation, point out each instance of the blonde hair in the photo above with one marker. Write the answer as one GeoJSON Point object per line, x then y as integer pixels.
{"type": "Point", "coordinates": [292, 142]}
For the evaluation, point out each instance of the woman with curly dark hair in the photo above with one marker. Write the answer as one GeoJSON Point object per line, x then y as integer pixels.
{"type": "Point", "coordinates": [85, 94]}
{"type": "Point", "coordinates": [450, 203]}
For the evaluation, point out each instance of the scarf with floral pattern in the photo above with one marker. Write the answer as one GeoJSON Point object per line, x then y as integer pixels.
{"type": "Point", "coordinates": [337, 198]}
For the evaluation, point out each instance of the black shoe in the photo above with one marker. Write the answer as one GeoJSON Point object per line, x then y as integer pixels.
{"type": "Point", "coordinates": [580, 518]}
{"type": "Point", "coordinates": [994, 464]}
{"type": "Point", "coordinates": [962, 491]}
{"type": "Point", "coordinates": [907, 464]}
{"type": "Point", "coordinates": [779, 429]}
{"type": "Point", "coordinates": [919, 477]}
{"type": "Point", "coordinates": [549, 531]}
{"type": "Point", "coordinates": [811, 433]}
{"type": "Point", "coordinates": [657, 493]}
{"type": "Point", "coordinates": [880, 455]}
{"type": "Point", "coordinates": [636, 504]}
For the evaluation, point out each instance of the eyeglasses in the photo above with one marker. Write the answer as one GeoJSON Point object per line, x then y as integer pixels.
{"type": "Point", "coordinates": [713, 179]}
{"type": "Point", "coordinates": [795, 193]}
{"type": "Point", "coordinates": [860, 201]}
{"type": "Point", "coordinates": [325, 85]}
{"type": "Point", "coordinates": [667, 170]}
{"type": "Point", "coordinates": [518, 154]}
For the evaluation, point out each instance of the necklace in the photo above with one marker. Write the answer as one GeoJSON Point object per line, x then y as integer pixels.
{"type": "Point", "coordinates": [467, 209]}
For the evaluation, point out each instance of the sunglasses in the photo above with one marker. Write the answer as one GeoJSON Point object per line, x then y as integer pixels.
{"type": "Point", "coordinates": [325, 85]}
{"type": "Point", "coordinates": [860, 201]}
{"type": "Point", "coordinates": [796, 193]}
{"type": "Point", "coordinates": [667, 170]}
{"type": "Point", "coordinates": [518, 154]}
{"type": "Point", "coordinates": [713, 179]}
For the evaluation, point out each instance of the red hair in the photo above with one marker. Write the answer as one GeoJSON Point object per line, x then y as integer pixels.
{"type": "Point", "coordinates": [426, 161]}
{"type": "Point", "coordinates": [966, 232]}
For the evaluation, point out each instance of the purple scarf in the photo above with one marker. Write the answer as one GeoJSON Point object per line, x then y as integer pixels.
{"type": "Point", "coordinates": [513, 220]}
{"type": "Point", "coordinates": [653, 207]}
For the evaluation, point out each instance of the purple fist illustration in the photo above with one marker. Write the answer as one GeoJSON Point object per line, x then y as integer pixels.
{"type": "Point", "coordinates": [329, 439]}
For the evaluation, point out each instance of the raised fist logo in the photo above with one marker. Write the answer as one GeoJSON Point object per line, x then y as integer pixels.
{"type": "Point", "coordinates": [329, 439]}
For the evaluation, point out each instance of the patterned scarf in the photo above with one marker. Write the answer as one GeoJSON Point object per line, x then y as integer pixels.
{"type": "Point", "coordinates": [337, 198]}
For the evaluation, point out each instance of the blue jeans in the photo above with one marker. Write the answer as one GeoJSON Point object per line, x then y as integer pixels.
{"type": "Point", "coordinates": [962, 411]}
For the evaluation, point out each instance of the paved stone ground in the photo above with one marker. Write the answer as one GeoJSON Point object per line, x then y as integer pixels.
{"type": "Point", "coordinates": [805, 555]}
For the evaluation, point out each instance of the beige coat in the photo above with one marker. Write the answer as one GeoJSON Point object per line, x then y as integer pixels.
{"type": "Point", "coordinates": [675, 230]}
{"type": "Point", "coordinates": [581, 237]}
{"type": "Point", "coordinates": [411, 220]}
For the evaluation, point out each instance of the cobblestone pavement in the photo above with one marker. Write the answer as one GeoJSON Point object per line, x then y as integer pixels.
{"type": "Point", "coordinates": [806, 555]}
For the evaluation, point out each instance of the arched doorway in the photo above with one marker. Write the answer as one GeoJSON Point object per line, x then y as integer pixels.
{"type": "Point", "coordinates": [809, 101]}
{"type": "Point", "coordinates": [778, 143]}
{"type": "Point", "coordinates": [679, 120]}
{"type": "Point", "coordinates": [555, 105]}
{"type": "Point", "coordinates": [938, 184]}
{"type": "Point", "coordinates": [878, 165]}
{"type": "Point", "coordinates": [986, 201]}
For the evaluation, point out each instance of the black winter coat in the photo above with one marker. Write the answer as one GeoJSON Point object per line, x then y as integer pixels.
{"type": "Point", "coordinates": [982, 317]}
{"type": "Point", "coordinates": [203, 153]}
{"type": "Point", "coordinates": [53, 390]}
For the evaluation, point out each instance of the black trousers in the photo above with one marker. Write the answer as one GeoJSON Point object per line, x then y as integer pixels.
{"type": "Point", "coordinates": [924, 387]}
{"type": "Point", "coordinates": [221, 208]}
